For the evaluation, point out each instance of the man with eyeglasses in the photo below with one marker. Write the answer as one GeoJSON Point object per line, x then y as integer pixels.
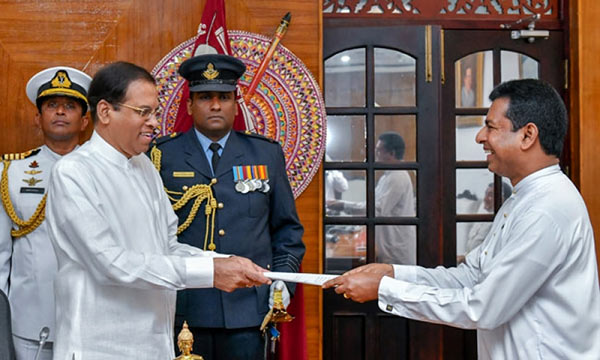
{"type": "Point", "coordinates": [114, 232]}
{"type": "Point", "coordinates": [253, 213]}
{"type": "Point", "coordinates": [26, 254]}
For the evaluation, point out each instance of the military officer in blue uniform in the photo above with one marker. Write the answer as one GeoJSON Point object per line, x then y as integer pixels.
{"type": "Point", "coordinates": [27, 260]}
{"type": "Point", "coordinates": [231, 193]}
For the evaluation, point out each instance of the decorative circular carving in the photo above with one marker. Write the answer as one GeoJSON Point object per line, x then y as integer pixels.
{"type": "Point", "coordinates": [287, 105]}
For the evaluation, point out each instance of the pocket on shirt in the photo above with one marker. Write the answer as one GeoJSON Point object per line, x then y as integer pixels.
{"type": "Point", "coordinates": [258, 203]}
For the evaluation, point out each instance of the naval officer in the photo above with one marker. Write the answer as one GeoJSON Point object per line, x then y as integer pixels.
{"type": "Point", "coordinates": [247, 209]}
{"type": "Point", "coordinates": [26, 254]}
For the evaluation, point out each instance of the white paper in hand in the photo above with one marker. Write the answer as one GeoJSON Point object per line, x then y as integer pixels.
{"type": "Point", "coordinates": [309, 279]}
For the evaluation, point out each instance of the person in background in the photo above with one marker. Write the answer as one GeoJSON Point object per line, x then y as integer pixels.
{"type": "Point", "coordinates": [26, 254]}
{"type": "Point", "coordinates": [479, 230]}
{"type": "Point", "coordinates": [253, 212]}
{"type": "Point", "coordinates": [335, 185]}
{"type": "Point", "coordinates": [467, 95]}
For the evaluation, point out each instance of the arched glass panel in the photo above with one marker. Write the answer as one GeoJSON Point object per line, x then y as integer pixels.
{"type": "Point", "coordinates": [345, 79]}
{"type": "Point", "coordinates": [474, 80]}
{"type": "Point", "coordinates": [514, 65]}
{"type": "Point", "coordinates": [395, 79]}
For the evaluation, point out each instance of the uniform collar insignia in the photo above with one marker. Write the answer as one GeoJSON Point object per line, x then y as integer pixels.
{"type": "Point", "coordinates": [32, 181]}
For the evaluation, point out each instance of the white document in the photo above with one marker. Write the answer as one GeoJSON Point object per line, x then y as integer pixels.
{"type": "Point", "coordinates": [310, 279]}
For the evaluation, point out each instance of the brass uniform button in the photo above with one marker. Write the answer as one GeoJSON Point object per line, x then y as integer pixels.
{"type": "Point", "coordinates": [222, 232]}
{"type": "Point", "coordinates": [220, 205]}
{"type": "Point", "coordinates": [213, 181]}
{"type": "Point", "coordinates": [184, 187]}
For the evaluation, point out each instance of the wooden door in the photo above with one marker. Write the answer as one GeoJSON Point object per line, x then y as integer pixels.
{"type": "Point", "coordinates": [379, 80]}
{"type": "Point", "coordinates": [480, 60]}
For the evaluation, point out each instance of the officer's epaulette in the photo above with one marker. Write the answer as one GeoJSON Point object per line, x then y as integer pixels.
{"type": "Point", "coordinates": [21, 156]}
{"type": "Point", "coordinates": [255, 135]}
{"type": "Point", "coordinates": [164, 139]}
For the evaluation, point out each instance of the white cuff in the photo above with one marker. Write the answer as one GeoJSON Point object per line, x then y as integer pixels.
{"type": "Point", "coordinates": [213, 254]}
{"type": "Point", "coordinates": [388, 294]}
{"type": "Point", "coordinates": [407, 273]}
{"type": "Point", "coordinates": [199, 272]}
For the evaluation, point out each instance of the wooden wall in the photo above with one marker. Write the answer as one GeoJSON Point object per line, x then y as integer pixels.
{"type": "Point", "coordinates": [86, 34]}
{"type": "Point", "coordinates": [585, 105]}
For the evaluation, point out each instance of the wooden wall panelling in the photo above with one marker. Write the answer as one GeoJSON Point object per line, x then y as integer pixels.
{"type": "Point", "coordinates": [39, 34]}
{"type": "Point", "coordinates": [88, 34]}
{"type": "Point", "coordinates": [585, 105]}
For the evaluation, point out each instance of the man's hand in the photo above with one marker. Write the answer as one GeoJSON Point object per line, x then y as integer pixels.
{"type": "Point", "coordinates": [236, 272]}
{"type": "Point", "coordinates": [374, 268]}
{"type": "Point", "coordinates": [361, 284]}
{"type": "Point", "coordinates": [335, 205]}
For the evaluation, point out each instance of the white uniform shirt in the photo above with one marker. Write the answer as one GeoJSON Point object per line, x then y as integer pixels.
{"type": "Point", "coordinates": [119, 262]}
{"type": "Point", "coordinates": [31, 292]}
{"type": "Point", "coordinates": [531, 289]}
{"type": "Point", "coordinates": [394, 196]}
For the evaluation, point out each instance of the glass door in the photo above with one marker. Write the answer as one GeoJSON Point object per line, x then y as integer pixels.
{"type": "Point", "coordinates": [381, 176]}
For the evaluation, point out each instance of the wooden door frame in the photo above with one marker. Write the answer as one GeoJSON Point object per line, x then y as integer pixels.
{"type": "Point", "coordinates": [422, 336]}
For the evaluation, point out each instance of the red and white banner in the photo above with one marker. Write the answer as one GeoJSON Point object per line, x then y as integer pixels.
{"type": "Point", "coordinates": [212, 38]}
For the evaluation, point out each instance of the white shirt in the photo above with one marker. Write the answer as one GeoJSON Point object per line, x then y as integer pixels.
{"type": "Point", "coordinates": [205, 144]}
{"type": "Point", "coordinates": [530, 290]}
{"type": "Point", "coordinates": [119, 262]}
{"type": "Point", "coordinates": [334, 182]}
{"type": "Point", "coordinates": [29, 259]}
{"type": "Point", "coordinates": [394, 196]}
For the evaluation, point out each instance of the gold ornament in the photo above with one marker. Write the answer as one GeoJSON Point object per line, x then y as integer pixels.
{"type": "Point", "coordinates": [25, 227]}
{"type": "Point", "coordinates": [185, 340]}
{"type": "Point", "coordinates": [210, 73]}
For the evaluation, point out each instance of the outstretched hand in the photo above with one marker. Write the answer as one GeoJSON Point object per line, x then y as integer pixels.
{"type": "Point", "coordinates": [235, 272]}
{"type": "Point", "coordinates": [360, 284]}
{"type": "Point", "coordinates": [374, 268]}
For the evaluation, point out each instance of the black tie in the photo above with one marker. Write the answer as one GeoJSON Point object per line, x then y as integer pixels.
{"type": "Point", "coordinates": [214, 147]}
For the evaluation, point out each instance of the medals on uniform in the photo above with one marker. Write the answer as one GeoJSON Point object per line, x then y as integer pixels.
{"type": "Point", "coordinates": [251, 178]}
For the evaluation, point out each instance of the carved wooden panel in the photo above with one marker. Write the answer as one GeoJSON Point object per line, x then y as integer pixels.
{"type": "Point", "coordinates": [443, 9]}
{"type": "Point", "coordinates": [87, 34]}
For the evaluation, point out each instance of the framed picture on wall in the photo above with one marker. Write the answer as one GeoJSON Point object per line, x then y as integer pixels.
{"type": "Point", "coordinates": [469, 87]}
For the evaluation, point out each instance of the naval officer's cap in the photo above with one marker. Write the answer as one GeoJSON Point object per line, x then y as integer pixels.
{"type": "Point", "coordinates": [59, 81]}
{"type": "Point", "coordinates": [212, 72]}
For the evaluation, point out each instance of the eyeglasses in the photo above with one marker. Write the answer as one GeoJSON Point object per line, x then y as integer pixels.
{"type": "Point", "coordinates": [145, 112]}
